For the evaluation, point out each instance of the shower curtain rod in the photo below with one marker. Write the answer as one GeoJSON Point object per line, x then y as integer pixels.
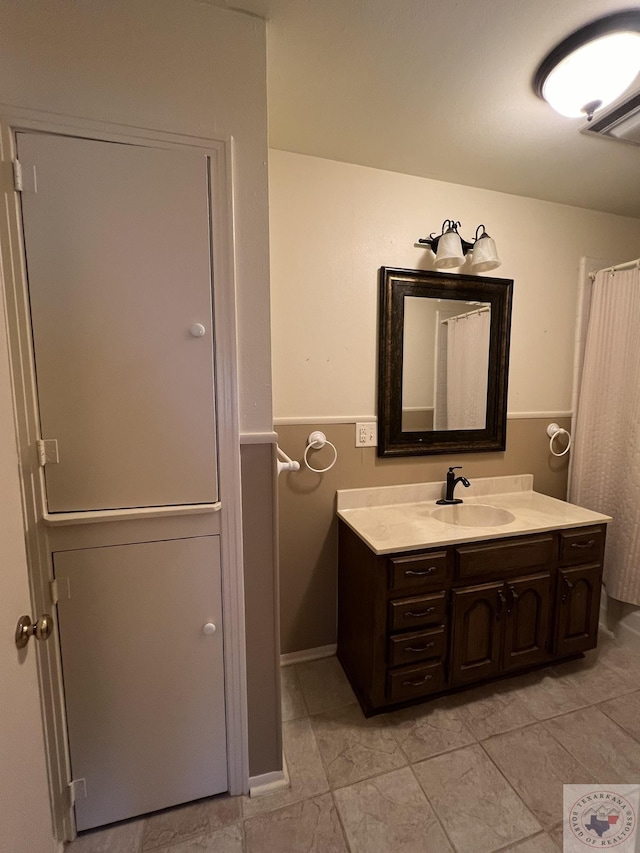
{"type": "Point", "coordinates": [628, 266]}
{"type": "Point", "coordinates": [468, 314]}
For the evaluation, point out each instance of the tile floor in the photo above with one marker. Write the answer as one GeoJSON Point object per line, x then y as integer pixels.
{"type": "Point", "coordinates": [475, 773]}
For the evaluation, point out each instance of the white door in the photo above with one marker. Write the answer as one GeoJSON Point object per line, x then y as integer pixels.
{"type": "Point", "coordinates": [141, 640]}
{"type": "Point", "coordinates": [117, 242]}
{"type": "Point", "coordinates": [117, 245]}
{"type": "Point", "coordinates": [25, 819]}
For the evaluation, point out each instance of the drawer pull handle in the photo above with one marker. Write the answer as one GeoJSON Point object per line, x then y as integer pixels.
{"type": "Point", "coordinates": [588, 544]}
{"type": "Point", "coordinates": [420, 648]}
{"type": "Point", "coordinates": [412, 615]}
{"type": "Point", "coordinates": [417, 683]}
{"type": "Point", "coordinates": [413, 573]}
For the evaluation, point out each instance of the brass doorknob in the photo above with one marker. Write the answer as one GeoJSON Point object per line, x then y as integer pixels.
{"type": "Point", "coordinates": [41, 629]}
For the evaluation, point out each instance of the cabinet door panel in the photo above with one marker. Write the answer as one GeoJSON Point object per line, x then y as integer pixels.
{"type": "Point", "coordinates": [578, 608]}
{"type": "Point", "coordinates": [118, 255]}
{"type": "Point", "coordinates": [527, 623]}
{"type": "Point", "coordinates": [144, 685]}
{"type": "Point", "coordinates": [476, 630]}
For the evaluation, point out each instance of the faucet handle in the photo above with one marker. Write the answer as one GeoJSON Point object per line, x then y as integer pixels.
{"type": "Point", "coordinates": [455, 468]}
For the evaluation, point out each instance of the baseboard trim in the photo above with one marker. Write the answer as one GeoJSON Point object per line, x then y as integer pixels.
{"type": "Point", "coordinates": [308, 654]}
{"type": "Point", "coordinates": [269, 783]}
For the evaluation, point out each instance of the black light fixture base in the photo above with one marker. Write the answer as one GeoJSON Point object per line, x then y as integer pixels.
{"type": "Point", "coordinates": [627, 20]}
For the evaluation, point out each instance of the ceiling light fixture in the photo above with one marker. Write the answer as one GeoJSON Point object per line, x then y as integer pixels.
{"type": "Point", "coordinates": [450, 248]}
{"type": "Point", "coordinates": [592, 66]}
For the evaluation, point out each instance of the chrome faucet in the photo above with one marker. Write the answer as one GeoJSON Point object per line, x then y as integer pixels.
{"type": "Point", "coordinates": [452, 482]}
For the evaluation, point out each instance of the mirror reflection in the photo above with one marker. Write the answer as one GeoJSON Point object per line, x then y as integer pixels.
{"type": "Point", "coordinates": [445, 364]}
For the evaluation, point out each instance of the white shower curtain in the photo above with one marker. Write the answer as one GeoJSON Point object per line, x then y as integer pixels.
{"type": "Point", "coordinates": [467, 370]}
{"type": "Point", "coordinates": [606, 457]}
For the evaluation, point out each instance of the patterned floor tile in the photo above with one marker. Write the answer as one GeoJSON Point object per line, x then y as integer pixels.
{"type": "Point", "coordinates": [354, 748]}
{"type": "Point", "coordinates": [324, 685]}
{"type": "Point", "coordinates": [311, 826]}
{"type": "Point", "coordinates": [390, 812]}
{"type": "Point", "coordinates": [479, 810]}
{"type": "Point", "coordinates": [306, 773]}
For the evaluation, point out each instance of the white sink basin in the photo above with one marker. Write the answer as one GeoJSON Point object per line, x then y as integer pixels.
{"type": "Point", "coordinates": [473, 515]}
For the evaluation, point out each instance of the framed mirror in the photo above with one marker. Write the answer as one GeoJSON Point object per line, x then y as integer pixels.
{"type": "Point", "coordinates": [443, 362]}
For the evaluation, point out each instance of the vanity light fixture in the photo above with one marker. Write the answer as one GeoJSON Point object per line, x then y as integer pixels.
{"type": "Point", "coordinates": [450, 248]}
{"type": "Point", "coordinates": [592, 66]}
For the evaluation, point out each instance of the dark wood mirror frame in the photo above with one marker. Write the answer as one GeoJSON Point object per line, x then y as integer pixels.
{"type": "Point", "coordinates": [395, 284]}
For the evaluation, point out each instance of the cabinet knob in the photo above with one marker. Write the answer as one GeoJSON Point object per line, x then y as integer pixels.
{"type": "Point", "coordinates": [209, 628]}
{"type": "Point", "coordinates": [197, 330]}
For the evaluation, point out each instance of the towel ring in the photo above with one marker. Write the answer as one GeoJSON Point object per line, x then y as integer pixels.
{"type": "Point", "coordinates": [553, 430]}
{"type": "Point", "coordinates": [317, 440]}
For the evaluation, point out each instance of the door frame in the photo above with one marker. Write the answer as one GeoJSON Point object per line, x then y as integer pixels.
{"type": "Point", "coordinates": [14, 280]}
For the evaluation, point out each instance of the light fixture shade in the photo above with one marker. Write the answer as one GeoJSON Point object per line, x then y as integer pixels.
{"type": "Point", "coordinates": [596, 74]}
{"type": "Point", "coordinates": [449, 252]}
{"type": "Point", "coordinates": [484, 255]}
{"type": "Point", "coordinates": [593, 66]}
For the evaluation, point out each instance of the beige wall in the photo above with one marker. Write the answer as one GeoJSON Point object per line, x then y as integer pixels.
{"type": "Point", "coordinates": [332, 226]}
{"type": "Point", "coordinates": [261, 607]}
{"type": "Point", "coordinates": [180, 67]}
{"type": "Point", "coordinates": [308, 526]}
{"type": "Point", "coordinates": [185, 68]}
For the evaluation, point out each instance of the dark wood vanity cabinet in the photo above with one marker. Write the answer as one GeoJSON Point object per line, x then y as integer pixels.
{"type": "Point", "coordinates": [418, 624]}
{"type": "Point", "coordinates": [578, 589]}
{"type": "Point", "coordinates": [499, 627]}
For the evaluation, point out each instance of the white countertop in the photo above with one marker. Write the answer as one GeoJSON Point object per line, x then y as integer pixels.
{"type": "Point", "coordinates": [398, 518]}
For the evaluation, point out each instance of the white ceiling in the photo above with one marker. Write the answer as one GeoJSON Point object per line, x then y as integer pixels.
{"type": "Point", "coordinates": [442, 90]}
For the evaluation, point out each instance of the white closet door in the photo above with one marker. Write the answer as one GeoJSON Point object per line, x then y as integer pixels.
{"type": "Point", "coordinates": [117, 243]}
{"type": "Point", "coordinates": [143, 681]}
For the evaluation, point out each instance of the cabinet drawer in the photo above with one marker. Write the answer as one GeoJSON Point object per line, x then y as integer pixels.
{"type": "Point", "coordinates": [498, 558]}
{"type": "Point", "coordinates": [418, 570]}
{"type": "Point", "coordinates": [412, 681]}
{"type": "Point", "coordinates": [581, 546]}
{"type": "Point", "coordinates": [418, 610]}
{"type": "Point", "coordinates": [422, 645]}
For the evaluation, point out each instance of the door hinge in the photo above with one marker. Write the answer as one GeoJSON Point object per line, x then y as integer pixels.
{"type": "Point", "coordinates": [60, 589]}
{"type": "Point", "coordinates": [17, 176]}
{"type": "Point", "coordinates": [77, 790]}
{"type": "Point", "coordinates": [47, 451]}
{"type": "Point", "coordinates": [24, 179]}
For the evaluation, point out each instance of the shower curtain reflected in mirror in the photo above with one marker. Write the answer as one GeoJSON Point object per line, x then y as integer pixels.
{"type": "Point", "coordinates": [605, 473]}
{"type": "Point", "coordinates": [462, 371]}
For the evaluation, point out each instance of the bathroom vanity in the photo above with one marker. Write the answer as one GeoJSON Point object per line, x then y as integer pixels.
{"type": "Point", "coordinates": [432, 599]}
